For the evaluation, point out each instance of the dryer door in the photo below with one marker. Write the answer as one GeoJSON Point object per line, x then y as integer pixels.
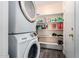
{"type": "Point", "coordinates": [33, 50]}
{"type": "Point", "coordinates": [28, 10]}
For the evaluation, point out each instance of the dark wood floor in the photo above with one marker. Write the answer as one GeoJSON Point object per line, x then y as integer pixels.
{"type": "Point", "coordinates": [50, 53]}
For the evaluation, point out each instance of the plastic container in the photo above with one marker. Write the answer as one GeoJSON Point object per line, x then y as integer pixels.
{"type": "Point", "coordinates": [58, 25]}
{"type": "Point", "coordinates": [61, 25]}
{"type": "Point", "coordinates": [53, 26]}
{"type": "Point", "coordinates": [39, 28]}
{"type": "Point", "coordinates": [59, 19]}
{"type": "Point", "coordinates": [52, 20]}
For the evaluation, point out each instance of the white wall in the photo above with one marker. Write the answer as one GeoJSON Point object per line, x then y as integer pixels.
{"type": "Point", "coordinates": [48, 7]}
{"type": "Point", "coordinates": [3, 29]}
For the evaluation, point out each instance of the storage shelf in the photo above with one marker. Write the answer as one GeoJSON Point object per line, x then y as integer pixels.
{"type": "Point", "coordinates": [54, 22]}
{"type": "Point", "coordinates": [42, 36]}
{"type": "Point", "coordinates": [48, 43]}
{"type": "Point", "coordinates": [40, 23]}
{"type": "Point", "coordinates": [51, 30]}
{"type": "Point", "coordinates": [56, 30]}
{"type": "Point", "coordinates": [57, 13]}
{"type": "Point", "coordinates": [45, 36]}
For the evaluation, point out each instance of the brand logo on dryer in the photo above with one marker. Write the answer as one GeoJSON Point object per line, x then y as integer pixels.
{"type": "Point", "coordinates": [24, 38]}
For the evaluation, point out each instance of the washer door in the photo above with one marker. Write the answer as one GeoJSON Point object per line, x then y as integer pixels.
{"type": "Point", "coordinates": [33, 50]}
{"type": "Point", "coordinates": [28, 10]}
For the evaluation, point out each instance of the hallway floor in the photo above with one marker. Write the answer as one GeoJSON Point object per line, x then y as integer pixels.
{"type": "Point", "coordinates": [50, 53]}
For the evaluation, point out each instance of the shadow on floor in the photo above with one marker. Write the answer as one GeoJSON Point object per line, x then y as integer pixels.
{"type": "Point", "coordinates": [51, 53]}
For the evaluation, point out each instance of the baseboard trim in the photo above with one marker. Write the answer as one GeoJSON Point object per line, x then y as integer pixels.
{"type": "Point", "coordinates": [4, 56]}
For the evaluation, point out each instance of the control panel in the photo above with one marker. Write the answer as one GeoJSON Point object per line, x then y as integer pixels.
{"type": "Point", "coordinates": [25, 37]}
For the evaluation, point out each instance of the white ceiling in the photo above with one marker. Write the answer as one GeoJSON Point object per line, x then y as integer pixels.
{"type": "Point", "coordinates": [48, 7]}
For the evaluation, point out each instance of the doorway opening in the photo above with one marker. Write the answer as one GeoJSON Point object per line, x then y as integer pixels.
{"type": "Point", "coordinates": [50, 27]}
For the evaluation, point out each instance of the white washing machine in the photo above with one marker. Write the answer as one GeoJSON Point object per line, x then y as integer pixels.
{"type": "Point", "coordinates": [23, 41]}
{"type": "Point", "coordinates": [24, 46]}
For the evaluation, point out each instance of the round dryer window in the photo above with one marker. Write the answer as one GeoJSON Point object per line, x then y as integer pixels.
{"type": "Point", "coordinates": [28, 10]}
{"type": "Point", "coordinates": [33, 50]}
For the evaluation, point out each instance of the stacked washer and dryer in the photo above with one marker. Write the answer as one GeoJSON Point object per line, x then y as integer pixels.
{"type": "Point", "coordinates": [23, 41]}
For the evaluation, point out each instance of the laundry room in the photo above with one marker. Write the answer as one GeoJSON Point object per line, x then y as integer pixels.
{"type": "Point", "coordinates": [39, 29]}
{"type": "Point", "coordinates": [40, 23]}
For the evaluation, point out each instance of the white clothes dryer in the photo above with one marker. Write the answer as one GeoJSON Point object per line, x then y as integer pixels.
{"type": "Point", "coordinates": [22, 16]}
{"type": "Point", "coordinates": [24, 46]}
